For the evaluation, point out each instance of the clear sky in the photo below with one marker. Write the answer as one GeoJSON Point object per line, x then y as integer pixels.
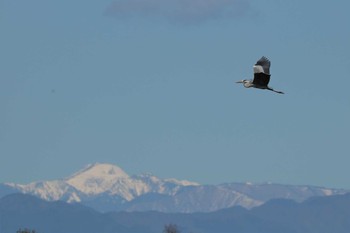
{"type": "Point", "coordinates": [149, 85]}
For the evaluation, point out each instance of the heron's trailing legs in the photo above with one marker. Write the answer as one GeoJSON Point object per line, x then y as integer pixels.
{"type": "Point", "coordinates": [279, 92]}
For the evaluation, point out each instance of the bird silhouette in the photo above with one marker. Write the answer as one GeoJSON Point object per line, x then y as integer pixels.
{"type": "Point", "coordinates": [261, 76]}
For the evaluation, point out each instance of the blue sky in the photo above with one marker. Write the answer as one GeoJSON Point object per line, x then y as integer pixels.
{"type": "Point", "coordinates": [150, 86]}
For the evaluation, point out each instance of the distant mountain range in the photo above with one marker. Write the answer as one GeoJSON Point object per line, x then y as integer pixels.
{"type": "Point", "coordinates": [106, 187]}
{"type": "Point", "coordinates": [315, 215]}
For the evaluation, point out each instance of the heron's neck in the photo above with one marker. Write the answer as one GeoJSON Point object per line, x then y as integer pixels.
{"type": "Point", "coordinates": [247, 83]}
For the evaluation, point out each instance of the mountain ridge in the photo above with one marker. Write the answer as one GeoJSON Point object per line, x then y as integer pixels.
{"type": "Point", "coordinates": [107, 187]}
{"type": "Point", "coordinates": [314, 215]}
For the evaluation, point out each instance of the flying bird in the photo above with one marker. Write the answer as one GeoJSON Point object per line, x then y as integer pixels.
{"type": "Point", "coordinates": [261, 76]}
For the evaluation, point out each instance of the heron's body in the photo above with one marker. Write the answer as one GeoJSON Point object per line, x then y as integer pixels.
{"type": "Point", "coordinates": [261, 76]}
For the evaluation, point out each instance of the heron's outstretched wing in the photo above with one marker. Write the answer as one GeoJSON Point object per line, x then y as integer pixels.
{"type": "Point", "coordinates": [262, 72]}
{"type": "Point", "coordinates": [262, 66]}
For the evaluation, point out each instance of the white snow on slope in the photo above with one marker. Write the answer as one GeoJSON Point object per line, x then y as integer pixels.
{"type": "Point", "coordinates": [50, 190]}
{"type": "Point", "coordinates": [98, 178]}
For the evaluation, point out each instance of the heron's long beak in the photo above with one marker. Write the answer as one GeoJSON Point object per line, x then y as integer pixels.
{"type": "Point", "coordinates": [240, 81]}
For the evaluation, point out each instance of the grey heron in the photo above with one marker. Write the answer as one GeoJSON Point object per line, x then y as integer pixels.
{"type": "Point", "coordinates": [261, 76]}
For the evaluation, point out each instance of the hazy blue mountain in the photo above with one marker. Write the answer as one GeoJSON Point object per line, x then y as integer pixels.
{"type": "Point", "coordinates": [25, 211]}
{"type": "Point", "coordinates": [106, 187]}
{"type": "Point", "coordinates": [6, 190]}
{"type": "Point", "coordinates": [315, 215]}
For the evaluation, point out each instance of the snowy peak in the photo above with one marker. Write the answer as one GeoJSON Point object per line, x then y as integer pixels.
{"type": "Point", "coordinates": [102, 170]}
{"type": "Point", "coordinates": [97, 178]}
{"type": "Point", "coordinates": [109, 179]}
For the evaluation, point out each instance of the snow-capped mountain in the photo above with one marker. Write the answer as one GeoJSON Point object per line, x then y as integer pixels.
{"type": "Point", "coordinates": [100, 179]}
{"type": "Point", "coordinates": [107, 187]}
